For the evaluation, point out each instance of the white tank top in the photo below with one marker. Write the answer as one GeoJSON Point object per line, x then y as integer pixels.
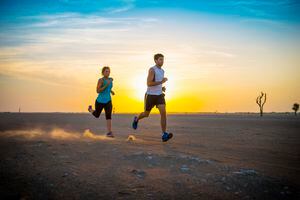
{"type": "Point", "coordinates": [159, 75]}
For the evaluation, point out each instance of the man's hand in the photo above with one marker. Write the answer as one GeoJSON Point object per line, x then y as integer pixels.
{"type": "Point", "coordinates": [164, 80]}
{"type": "Point", "coordinates": [112, 92]}
{"type": "Point", "coordinates": [164, 89]}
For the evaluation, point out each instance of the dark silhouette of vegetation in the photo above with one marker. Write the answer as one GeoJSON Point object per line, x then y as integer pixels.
{"type": "Point", "coordinates": [295, 108]}
{"type": "Point", "coordinates": [261, 100]}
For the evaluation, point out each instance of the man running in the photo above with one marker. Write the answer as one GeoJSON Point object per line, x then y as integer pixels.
{"type": "Point", "coordinates": [155, 96]}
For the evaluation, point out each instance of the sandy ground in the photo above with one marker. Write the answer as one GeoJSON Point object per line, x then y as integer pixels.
{"type": "Point", "coordinates": [220, 156]}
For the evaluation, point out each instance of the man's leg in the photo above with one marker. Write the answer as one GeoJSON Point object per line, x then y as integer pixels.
{"type": "Point", "coordinates": [148, 101]}
{"type": "Point", "coordinates": [137, 118]}
{"type": "Point", "coordinates": [143, 115]}
{"type": "Point", "coordinates": [148, 104]}
{"type": "Point", "coordinates": [163, 117]}
{"type": "Point", "coordinates": [161, 105]}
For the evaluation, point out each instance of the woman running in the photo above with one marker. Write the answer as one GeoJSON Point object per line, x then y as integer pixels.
{"type": "Point", "coordinates": [103, 100]}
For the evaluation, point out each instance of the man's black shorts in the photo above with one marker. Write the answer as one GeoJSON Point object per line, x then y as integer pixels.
{"type": "Point", "coordinates": [153, 100]}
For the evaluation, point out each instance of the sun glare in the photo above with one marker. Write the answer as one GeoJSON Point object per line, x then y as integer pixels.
{"type": "Point", "coordinates": [139, 86]}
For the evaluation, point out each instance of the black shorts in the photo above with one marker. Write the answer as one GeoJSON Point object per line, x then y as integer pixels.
{"type": "Point", "coordinates": [153, 100]}
{"type": "Point", "coordinates": [99, 107]}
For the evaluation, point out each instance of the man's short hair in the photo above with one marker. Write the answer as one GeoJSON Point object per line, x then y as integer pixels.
{"type": "Point", "coordinates": [157, 56]}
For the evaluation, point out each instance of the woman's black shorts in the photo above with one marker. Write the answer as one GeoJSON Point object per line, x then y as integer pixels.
{"type": "Point", "coordinates": [99, 107]}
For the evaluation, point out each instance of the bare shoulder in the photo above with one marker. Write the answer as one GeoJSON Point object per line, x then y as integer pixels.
{"type": "Point", "coordinates": [151, 70]}
{"type": "Point", "coordinates": [100, 80]}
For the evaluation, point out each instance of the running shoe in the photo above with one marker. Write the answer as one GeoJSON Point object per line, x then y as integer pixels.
{"type": "Point", "coordinates": [166, 136]}
{"type": "Point", "coordinates": [135, 123]}
{"type": "Point", "coordinates": [90, 109]}
{"type": "Point", "coordinates": [110, 134]}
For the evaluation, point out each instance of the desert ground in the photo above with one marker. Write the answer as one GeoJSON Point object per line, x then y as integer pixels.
{"type": "Point", "coordinates": [211, 156]}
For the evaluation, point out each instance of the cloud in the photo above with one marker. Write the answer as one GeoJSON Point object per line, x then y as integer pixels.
{"type": "Point", "coordinates": [75, 21]}
{"type": "Point", "coordinates": [51, 48]}
{"type": "Point", "coordinates": [268, 23]}
{"type": "Point", "coordinates": [220, 53]}
{"type": "Point", "coordinates": [120, 9]}
{"type": "Point", "coordinates": [126, 6]}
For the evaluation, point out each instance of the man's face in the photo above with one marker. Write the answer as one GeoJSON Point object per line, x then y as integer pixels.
{"type": "Point", "coordinates": [159, 61]}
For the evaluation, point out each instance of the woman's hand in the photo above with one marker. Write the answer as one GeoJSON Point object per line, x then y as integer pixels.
{"type": "Point", "coordinates": [108, 82]}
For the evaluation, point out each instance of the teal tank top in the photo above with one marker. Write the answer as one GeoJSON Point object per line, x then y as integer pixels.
{"type": "Point", "coordinates": [104, 96]}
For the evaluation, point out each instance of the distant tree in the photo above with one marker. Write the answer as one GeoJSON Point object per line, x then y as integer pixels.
{"type": "Point", "coordinates": [295, 108]}
{"type": "Point", "coordinates": [261, 100]}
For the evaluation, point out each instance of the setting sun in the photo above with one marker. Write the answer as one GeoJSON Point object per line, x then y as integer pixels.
{"type": "Point", "coordinates": [139, 86]}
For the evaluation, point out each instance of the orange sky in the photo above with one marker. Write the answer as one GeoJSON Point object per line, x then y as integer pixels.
{"type": "Point", "coordinates": [212, 63]}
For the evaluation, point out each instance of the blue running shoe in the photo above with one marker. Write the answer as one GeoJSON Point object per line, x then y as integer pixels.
{"type": "Point", "coordinates": [135, 123]}
{"type": "Point", "coordinates": [166, 136]}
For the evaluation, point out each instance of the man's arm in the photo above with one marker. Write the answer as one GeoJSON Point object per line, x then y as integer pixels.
{"type": "Point", "coordinates": [100, 82]}
{"type": "Point", "coordinates": [150, 78]}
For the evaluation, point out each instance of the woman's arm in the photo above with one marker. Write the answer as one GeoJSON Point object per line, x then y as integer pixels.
{"type": "Point", "coordinates": [112, 92]}
{"type": "Point", "coordinates": [100, 82]}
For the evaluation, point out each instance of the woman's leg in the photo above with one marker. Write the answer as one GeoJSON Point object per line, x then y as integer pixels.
{"type": "Point", "coordinates": [98, 109]}
{"type": "Point", "coordinates": [108, 125]}
{"type": "Point", "coordinates": [108, 110]}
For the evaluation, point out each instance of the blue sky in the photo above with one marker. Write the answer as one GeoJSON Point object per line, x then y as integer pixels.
{"type": "Point", "coordinates": [224, 46]}
{"type": "Point", "coordinates": [263, 15]}
{"type": "Point", "coordinates": [283, 10]}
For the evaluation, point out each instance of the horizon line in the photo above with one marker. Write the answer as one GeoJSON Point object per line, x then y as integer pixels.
{"type": "Point", "coordinates": [243, 112]}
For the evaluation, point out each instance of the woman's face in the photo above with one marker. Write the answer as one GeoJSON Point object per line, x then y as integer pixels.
{"type": "Point", "coordinates": [106, 72]}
